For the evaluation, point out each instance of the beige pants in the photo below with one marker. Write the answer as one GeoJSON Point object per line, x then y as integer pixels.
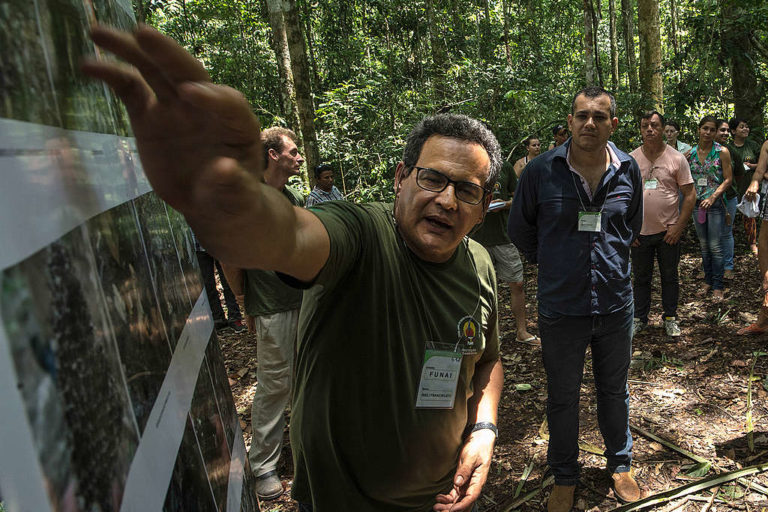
{"type": "Point", "coordinates": [276, 345]}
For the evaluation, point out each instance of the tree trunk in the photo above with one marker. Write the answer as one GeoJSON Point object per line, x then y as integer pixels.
{"type": "Point", "coordinates": [614, 45]}
{"type": "Point", "coordinates": [589, 45]}
{"type": "Point", "coordinates": [650, 51]}
{"type": "Point", "coordinates": [306, 13]}
{"type": "Point", "coordinates": [737, 47]}
{"type": "Point", "coordinates": [438, 55]}
{"type": "Point", "coordinates": [488, 44]}
{"type": "Point", "coordinates": [628, 17]}
{"type": "Point", "coordinates": [507, 49]}
{"type": "Point", "coordinates": [301, 80]}
{"type": "Point", "coordinates": [673, 26]}
{"type": "Point", "coordinates": [283, 57]}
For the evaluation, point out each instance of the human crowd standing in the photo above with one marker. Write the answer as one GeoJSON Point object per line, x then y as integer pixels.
{"type": "Point", "coordinates": [398, 376]}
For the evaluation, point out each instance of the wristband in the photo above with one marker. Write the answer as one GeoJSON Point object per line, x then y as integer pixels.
{"type": "Point", "coordinates": [474, 427]}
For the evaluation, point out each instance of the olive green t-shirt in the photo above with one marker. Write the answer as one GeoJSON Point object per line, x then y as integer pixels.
{"type": "Point", "coordinates": [265, 293]}
{"type": "Point", "coordinates": [493, 230]}
{"type": "Point", "coordinates": [359, 442]}
{"type": "Point", "coordinates": [748, 152]}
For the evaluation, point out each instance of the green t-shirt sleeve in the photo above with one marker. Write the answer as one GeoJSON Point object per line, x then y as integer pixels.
{"type": "Point", "coordinates": [487, 274]}
{"type": "Point", "coordinates": [347, 225]}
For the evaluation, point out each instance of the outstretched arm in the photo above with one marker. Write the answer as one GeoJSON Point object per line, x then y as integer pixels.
{"type": "Point", "coordinates": [200, 149]}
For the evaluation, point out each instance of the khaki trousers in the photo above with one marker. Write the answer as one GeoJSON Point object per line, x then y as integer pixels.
{"type": "Point", "coordinates": [275, 351]}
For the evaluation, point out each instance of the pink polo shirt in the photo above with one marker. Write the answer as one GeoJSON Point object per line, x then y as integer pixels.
{"type": "Point", "coordinates": [660, 205]}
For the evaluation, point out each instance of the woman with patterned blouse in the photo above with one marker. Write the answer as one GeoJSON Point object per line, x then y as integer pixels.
{"type": "Point", "coordinates": [712, 175]}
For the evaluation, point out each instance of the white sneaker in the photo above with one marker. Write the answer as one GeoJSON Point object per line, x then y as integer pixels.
{"type": "Point", "coordinates": [671, 327]}
{"type": "Point", "coordinates": [637, 326]}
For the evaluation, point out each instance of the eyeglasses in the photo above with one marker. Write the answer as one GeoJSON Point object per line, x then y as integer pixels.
{"type": "Point", "coordinates": [435, 181]}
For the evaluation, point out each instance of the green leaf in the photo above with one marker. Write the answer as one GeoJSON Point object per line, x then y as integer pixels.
{"type": "Point", "coordinates": [699, 470]}
{"type": "Point", "coordinates": [522, 387]}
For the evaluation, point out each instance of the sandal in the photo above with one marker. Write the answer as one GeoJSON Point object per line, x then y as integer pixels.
{"type": "Point", "coordinates": [532, 340]}
{"type": "Point", "coordinates": [752, 330]}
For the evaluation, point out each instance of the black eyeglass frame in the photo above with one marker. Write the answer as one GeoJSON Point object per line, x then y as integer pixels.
{"type": "Point", "coordinates": [458, 192]}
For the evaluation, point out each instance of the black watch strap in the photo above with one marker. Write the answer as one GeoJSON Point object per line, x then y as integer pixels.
{"type": "Point", "coordinates": [474, 427]}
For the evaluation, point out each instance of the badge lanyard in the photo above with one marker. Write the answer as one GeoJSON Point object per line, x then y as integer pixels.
{"type": "Point", "coordinates": [588, 221]}
{"type": "Point", "coordinates": [651, 183]}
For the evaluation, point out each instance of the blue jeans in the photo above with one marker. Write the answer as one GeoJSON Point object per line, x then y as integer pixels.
{"type": "Point", "coordinates": [710, 234]}
{"type": "Point", "coordinates": [668, 257]}
{"type": "Point", "coordinates": [564, 341]}
{"type": "Point", "coordinates": [727, 240]}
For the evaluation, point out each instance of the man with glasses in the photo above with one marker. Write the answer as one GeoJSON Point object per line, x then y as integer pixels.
{"type": "Point", "coordinates": [666, 174]}
{"type": "Point", "coordinates": [576, 212]}
{"type": "Point", "coordinates": [398, 374]}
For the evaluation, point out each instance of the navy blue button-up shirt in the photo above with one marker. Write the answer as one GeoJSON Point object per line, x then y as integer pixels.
{"type": "Point", "coordinates": [580, 273]}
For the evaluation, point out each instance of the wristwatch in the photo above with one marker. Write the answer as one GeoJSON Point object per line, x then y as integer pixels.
{"type": "Point", "coordinates": [474, 427]}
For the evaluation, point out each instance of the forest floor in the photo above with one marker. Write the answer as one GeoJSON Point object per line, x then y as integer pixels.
{"type": "Point", "coordinates": [692, 392]}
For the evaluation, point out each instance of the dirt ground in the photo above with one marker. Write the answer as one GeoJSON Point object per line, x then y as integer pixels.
{"type": "Point", "coordinates": [693, 393]}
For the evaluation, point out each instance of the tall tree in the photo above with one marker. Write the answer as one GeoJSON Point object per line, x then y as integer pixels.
{"type": "Point", "coordinates": [628, 22]}
{"type": "Point", "coordinates": [673, 26]}
{"type": "Point", "coordinates": [437, 49]}
{"type": "Point", "coordinates": [738, 49]}
{"type": "Point", "coordinates": [300, 68]}
{"type": "Point", "coordinates": [280, 46]}
{"type": "Point", "coordinates": [614, 44]}
{"type": "Point", "coordinates": [649, 31]}
{"type": "Point", "coordinates": [590, 70]}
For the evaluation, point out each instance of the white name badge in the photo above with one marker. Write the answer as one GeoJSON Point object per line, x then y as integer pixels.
{"type": "Point", "coordinates": [746, 167]}
{"type": "Point", "coordinates": [701, 182]}
{"type": "Point", "coordinates": [439, 378]}
{"type": "Point", "coordinates": [651, 184]}
{"type": "Point", "coordinates": [589, 221]}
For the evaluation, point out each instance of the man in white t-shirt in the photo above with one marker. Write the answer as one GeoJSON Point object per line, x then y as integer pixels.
{"type": "Point", "coordinates": [665, 174]}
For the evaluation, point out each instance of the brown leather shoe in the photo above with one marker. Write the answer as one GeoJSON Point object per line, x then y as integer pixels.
{"type": "Point", "coordinates": [561, 498]}
{"type": "Point", "coordinates": [625, 487]}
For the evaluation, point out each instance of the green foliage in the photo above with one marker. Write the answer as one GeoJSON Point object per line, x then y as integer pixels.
{"type": "Point", "coordinates": [378, 66]}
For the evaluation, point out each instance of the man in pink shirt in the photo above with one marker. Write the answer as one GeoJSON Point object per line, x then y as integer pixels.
{"type": "Point", "coordinates": [665, 174]}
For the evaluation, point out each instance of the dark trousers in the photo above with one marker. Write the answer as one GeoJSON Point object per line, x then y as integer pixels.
{"type": "Point", "coordinates": [668, 257]}
{"type": "Point", "coordinates": [564, 341]}
{"type": "Point", "coordinates": [207, 264]}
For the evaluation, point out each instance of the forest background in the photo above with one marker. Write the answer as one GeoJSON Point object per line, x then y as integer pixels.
{"type": "Point", "coordinates": [351, 77]}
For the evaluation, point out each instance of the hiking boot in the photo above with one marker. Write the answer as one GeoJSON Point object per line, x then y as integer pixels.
{"type": "Point", "coordinates": [625, 487]}
{"type": "Point", "coordinates": [561, 498]}
{"type": "Point", "coordinates": [268, 486]}
{"type": "Point", "coordinates": [238, 326]}
{"type": "Point", "coordinates": [637, 326]}
{"type": "Point", "coordinates": [671, 327]}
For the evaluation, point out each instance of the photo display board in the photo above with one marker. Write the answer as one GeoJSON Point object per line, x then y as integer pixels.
{"type": "Point", "coordinates": [113, 390]}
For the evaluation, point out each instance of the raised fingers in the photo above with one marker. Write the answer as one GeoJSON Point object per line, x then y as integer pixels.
{"type": "Point", "coordinates": [125, 81]}
{"type": "Point", "coordinates": [126, 46]}
{"type": "Point", "coordinates": [175, 62]}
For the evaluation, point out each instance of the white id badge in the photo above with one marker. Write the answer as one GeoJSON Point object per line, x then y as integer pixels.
{"type": "Point", "coordinates": [651, 184]}
{"type": "Point", "coordinates": [439, 378]}
{"type": "Point", "coordinates": [589, 221]}
{"type": "Point", "coordinates": [701, 182]}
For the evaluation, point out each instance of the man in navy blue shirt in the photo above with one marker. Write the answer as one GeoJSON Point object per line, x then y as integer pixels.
{"type": "Point", "coordinates": [576, 212]}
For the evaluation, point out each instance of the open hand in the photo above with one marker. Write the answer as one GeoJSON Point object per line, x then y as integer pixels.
{"type": "Point", "coordinates": [471, 473]}
{"type": "Point", "coordinates": [198, 142]}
